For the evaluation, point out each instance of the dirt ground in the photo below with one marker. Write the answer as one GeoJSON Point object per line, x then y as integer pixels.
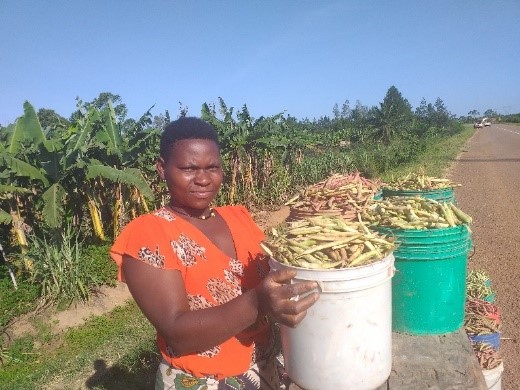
{"type": "Point", "coordinates": [489, 171]}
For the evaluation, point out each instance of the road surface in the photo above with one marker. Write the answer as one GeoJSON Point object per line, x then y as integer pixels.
{"type": "Point", "coordinates": [489, 170]}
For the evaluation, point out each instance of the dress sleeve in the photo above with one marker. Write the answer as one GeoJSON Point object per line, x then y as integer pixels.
{"type": "Point", "coordinates": [144, 239]}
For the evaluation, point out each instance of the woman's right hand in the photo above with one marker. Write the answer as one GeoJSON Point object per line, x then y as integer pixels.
{"type": "Point", "coordinates": [283, 301]}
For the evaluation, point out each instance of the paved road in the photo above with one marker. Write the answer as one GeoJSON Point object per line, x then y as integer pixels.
{"type": "Point", "coordinates": [489, 171]}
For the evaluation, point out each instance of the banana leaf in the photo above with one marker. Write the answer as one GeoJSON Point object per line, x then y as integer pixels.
{"type": "Point", "coordinates": [54, 199]}
{"type": "Point", "coordinates": [128, 176]}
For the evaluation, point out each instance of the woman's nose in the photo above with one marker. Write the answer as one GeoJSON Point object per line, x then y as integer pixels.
{"type": "Point", "coordinates": [202, 177]}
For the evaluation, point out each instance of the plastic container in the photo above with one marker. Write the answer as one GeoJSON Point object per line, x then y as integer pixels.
{"type": "Point", "coordinates": [345, 341]}
{"type": "Point", "coordinates": [493, 377]}
{"type": "Point", "coordinates": [429, 287]}
{"type": "Point", "coordinates": [492, 339]}
{"type": "Point", "coordinates": [429, 237]}
{"type": "Point", "coordinates": [442, 194]}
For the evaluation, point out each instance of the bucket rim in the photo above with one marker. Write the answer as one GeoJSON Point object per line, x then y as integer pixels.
{"type": "Point", "coordinates": [434, 191]}
{"type": "Point", "coordinates": [431, 231]}
{"type": "Point", "coordinates": [499, 368]}
{"type": "Point", "coordinates": [338, 274]}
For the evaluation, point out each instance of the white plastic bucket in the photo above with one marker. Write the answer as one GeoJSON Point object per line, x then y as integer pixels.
{"type": "Point", "coordinates": [493, 377]}
{"type": "Point", "coordinates": [345, 341]}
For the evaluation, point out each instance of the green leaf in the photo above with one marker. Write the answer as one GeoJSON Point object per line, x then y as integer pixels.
{"type": "Point", "coordinates": [128, 176]}
{"type": "Point", "coordinates": [53, 199]}
{"type": "Point", "coordinates": [21, 168]}
{"type": "Point", "coordinates": [27, 128]}
{"type": "Point", "coordinates": [84, 129]}
{"type": "Point", "coordinates": [5, 217]}
{"type": "Point", "coordinates": [9, 189]}
{"type": "Point", "coordinates": [112, 130]}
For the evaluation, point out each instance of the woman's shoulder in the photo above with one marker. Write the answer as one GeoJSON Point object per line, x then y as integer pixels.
{"type": "Point", "coordinates": [238, 211]}
{"type": "Point", "coordinates": [153, 218]}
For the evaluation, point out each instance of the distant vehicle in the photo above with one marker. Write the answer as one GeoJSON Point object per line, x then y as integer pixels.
{"type": "Point", "coordinates": [486, 122]}
{"type": "Point", "coordinates": [478, 124]}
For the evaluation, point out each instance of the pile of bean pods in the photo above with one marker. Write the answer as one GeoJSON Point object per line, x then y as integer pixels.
{"type": "Point", "coordinates": [339, 195]}
{"type": "Point", "coordinates": [418, 181]}
{"type": "Point", "coordinates": [323, 242]}
{"type": "Point", "coordinates": [487, 357]}
{"type": "Point", "coordinates": [478, 285]}
{"type": "Point", "coordinates": [403, 212]}
{"type": "Point", "coordinates": [481, 317]}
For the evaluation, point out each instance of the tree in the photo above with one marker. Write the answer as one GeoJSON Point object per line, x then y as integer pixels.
{"type": "Point", "coordinates": [102, 102]}
{"type": "Point", "coordinates": [473, 114]}
{"type": "Point", "coordinates": [49, 119]}
{"type": "Point", "coordinates": [490, 113]}
{"type": "Point", "coordinates": [393, 115]}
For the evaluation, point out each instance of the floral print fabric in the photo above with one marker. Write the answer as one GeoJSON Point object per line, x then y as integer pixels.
{"type": "Point", "coordinates": [261, 376]}
{"type": "Point", "coordinates": [212, 278]}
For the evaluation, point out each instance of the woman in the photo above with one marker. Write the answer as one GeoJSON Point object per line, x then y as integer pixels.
{"type": "Point", "coordinates": [199, 275]}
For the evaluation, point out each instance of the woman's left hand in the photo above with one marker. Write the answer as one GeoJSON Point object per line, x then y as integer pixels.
{"type": "Point", "coordinates": [284, 302]}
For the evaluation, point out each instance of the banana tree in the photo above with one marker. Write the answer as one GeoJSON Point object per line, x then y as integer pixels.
{"type": "Point", "coordinates": [238, 143]}
{"type": "Point", "coordinates": [116, 161]}
{"type": "Point", "coordinates": [18, 178]}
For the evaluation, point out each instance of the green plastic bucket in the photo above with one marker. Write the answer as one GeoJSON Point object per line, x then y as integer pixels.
{"type": "Point", "coordinates": [442, 194]}
{"type": "Point", "coordinates": [429, 286]}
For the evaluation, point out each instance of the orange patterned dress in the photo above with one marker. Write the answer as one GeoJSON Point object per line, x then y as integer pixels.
{"type": "Point", "coordinates": [163, 240]}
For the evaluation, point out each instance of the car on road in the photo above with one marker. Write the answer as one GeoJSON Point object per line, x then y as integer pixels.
{"type": "Point", "coordinates": [478, 124]}
{"type": "Point", "coordinates": [486, 122]}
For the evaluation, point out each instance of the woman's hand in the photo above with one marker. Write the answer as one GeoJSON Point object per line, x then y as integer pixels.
{"type": "Point", "coordinates": [283, 301]}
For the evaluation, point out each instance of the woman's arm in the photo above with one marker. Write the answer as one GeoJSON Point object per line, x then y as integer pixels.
{"type": "Point", "coordinates": [161, 296]}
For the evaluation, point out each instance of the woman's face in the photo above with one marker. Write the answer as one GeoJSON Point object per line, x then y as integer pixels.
{"type": "Point", "coordinates": [193, 173]}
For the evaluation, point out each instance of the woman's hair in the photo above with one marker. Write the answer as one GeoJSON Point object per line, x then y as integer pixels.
{"type": "Point", "coordinates": [185, 128]}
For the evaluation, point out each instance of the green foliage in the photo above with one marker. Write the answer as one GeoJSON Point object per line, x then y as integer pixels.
{"type": "Point", "coordinates": [128, 176]}
{"type": "Point", "coordinates": [60, 269]}
{"type": "Point", "coordinates": [394, 115]}
{"type": "Point", "coordinates": [120, 346]}
{"type": "Point", "coordinates": [26, 128]}
{"type": "Point", "coordinates": [16, 302]}
{"type": "Point", "coordinates": [99, 263]}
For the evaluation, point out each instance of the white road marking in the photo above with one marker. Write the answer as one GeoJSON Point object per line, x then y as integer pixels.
{"type": "Point", "coordinates": [515, 131]}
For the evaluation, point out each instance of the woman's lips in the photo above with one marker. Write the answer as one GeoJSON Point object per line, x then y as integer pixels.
{"type": "Point", "coordinates": [202, 194]}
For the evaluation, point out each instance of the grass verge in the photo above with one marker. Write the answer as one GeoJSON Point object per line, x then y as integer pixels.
{"type": "Point", "coordinates": [114, 351]}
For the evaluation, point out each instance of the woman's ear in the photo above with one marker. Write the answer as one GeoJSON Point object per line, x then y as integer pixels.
{"type": "Point", "coordinates": [159, 166]}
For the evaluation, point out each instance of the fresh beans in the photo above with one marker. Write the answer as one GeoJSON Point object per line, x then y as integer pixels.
{"type": "Point", "coordinates": [339, 195]}
{"type": "Point", "coordinates": [403, 212]}
{"type": "Point", "coordinates": [323, 242]}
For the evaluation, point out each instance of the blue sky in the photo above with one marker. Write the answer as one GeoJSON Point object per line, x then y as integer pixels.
{"type": "Point", "coordinates": [298, 57]}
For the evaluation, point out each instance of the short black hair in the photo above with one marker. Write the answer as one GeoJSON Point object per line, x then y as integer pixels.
{"type": "Point", "coordinates": [185, 128]}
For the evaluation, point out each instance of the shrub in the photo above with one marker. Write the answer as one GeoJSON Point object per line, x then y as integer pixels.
{"type": "Point", "coordinates": [60, 269]}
